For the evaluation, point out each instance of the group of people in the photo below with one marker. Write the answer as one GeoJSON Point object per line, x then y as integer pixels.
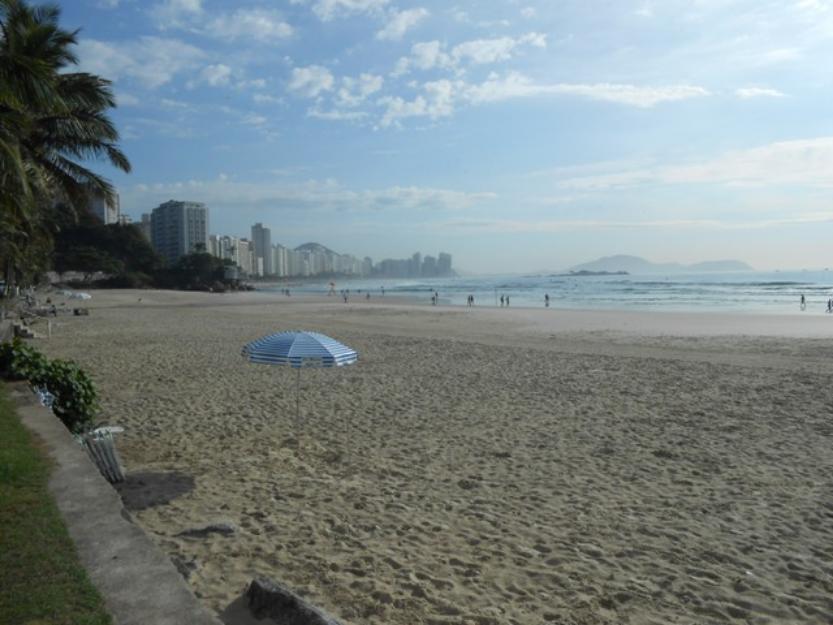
{"type": "Point", "coordinates": [504, 300]}
{"type": "Point", "coordinates": [802, 303]}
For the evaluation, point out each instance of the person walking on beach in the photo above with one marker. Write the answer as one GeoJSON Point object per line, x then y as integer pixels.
{"type": "Point", "coordinates": [546, 300]}
{"type": "Point", "coordinates": [507, 301]}
{"type": "Point", "coordinates": [501, 301]}
{"type": "Point", "coordinates": [803, 302]}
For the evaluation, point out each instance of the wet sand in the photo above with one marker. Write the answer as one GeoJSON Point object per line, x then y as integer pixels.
{"type": "Point", "coordinates": [482, 466]}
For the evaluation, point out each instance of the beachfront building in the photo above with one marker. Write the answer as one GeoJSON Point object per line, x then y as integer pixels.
{"type": "Point", "coordinates": [244, 256]}
{"type": "Point", "coordinates": [444, 264]}
{"type": "Point", "coordinates": [262, 241]}
{"type": "Point", "coordinates": [144, 225]}
{"type": "Point", "coordinates": [107, 212]}
{"type": "Point", "coordinates": [280, 260]}
{"type": "Point", "coordinates": [179, 228]}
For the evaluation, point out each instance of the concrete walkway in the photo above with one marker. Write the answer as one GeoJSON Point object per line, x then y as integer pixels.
{"type": "Point", "coordinates": [139, 583]}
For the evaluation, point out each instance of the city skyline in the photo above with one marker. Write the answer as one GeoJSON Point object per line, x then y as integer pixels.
{"type": "Point", "coordinates": [523, 135]}
{"type": "Point", "coordinates": [176, 228]}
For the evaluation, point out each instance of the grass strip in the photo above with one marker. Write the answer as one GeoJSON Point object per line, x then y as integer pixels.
{"type": "Point", "coordinates": [41, 580]}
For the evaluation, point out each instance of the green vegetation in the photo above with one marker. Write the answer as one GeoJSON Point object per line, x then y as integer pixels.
{"type": "Point", "coordinates": [50, 119]}
{"type": "Point", "coordinates": [76, 400]}
{"type": "Point", "coordinates": [198, 271]}
{"type": "Point", "coordinates": [117, 249]}
{"type": "Point", "coordinates": [42, 580]}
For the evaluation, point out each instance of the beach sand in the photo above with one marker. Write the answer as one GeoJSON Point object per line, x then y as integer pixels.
{"type": "Point", "coordinates": [480, 466]}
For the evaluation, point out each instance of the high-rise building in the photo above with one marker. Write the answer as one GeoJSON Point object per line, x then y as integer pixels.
{"type": "Point", "coordinates": [415, 270]}
{"type": "Point", "coordinates": [244, 255]}
{"type": "Point", "coordinates": [144, 225]}
{"type": "Point", "coordinates": [280, 263]}
{"type": "Point", "coordinates": [262, 240]}
{"type": "Point", "coordinates": [429, 267]}
{"type": "Point", "coordinates": [214, 245]}
{"type": "Point", "coordinates": [107, 212]}
{"type": "Point", "coordinates": [444, 264]}
{"type": "Point", "coordinates": [179, 228]}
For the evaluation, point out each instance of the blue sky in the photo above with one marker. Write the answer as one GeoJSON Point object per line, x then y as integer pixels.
{"type": "Point", "coordinates": [516, 135]}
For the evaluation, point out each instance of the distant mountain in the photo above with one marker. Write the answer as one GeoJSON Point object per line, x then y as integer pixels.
{"type": "Point", "coordinates": [637, 265]}
{"type": "Point", "coordinates": [316, 248]}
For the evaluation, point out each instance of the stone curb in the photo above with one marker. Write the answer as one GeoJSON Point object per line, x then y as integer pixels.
{"type": "Point", "coordinates": [139, 584]}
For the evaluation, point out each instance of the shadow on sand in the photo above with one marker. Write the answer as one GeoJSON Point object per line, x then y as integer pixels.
{"type": "Point", "coordinates": [146, 489]}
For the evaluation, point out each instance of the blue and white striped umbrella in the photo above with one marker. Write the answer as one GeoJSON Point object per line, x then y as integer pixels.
{"type": "Point", "coordinates": [299, 349]}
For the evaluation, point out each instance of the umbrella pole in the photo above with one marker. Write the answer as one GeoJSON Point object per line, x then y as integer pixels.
{"type": "Point", "coordinates": [298, 398]}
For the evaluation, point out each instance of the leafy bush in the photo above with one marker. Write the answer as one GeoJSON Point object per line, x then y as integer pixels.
{"type": "Point", "coordinates": [76, 400]}
{"type": "Point", "coordinates": [19, 361]}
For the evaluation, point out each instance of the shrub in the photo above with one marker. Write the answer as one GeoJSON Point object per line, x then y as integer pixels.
{"type": "Point", "coordinates": [76, 400]}
{"type": "Point", "coordinates": [19, 361]}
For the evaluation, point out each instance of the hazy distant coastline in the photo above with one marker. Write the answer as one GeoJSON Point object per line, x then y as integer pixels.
{"type": "Point", "coordinates": [638, 265]}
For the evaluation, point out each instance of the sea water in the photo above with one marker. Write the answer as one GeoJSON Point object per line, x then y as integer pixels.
{"type": "Point", "coordinates": [775, 292]}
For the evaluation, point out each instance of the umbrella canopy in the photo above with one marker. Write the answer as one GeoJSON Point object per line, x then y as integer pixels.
{"type": "Point", "coordinates": [299, 349]}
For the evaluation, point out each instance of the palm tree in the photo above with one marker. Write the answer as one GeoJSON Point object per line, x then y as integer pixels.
{"type": "Point", "coordinates": [50, 119]}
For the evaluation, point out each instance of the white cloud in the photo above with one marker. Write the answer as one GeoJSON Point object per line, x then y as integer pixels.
{"type": "Point", "coordinates": [324, 195]}
{"type": "Point", "coordinates": [262, 98]}
{"type": "Point", "coordinates": [401, 22]}
{"type": "Point", "coordinates": [528, 12]}
{"type": "Point", "coordinates": [438, 101]}
{"type": "Point", "coordinates": [170, 13]}
{"type": "Point", "coordinates": [329, 9]}
{"type": "Point", "coordinates": [253, 119]}
{"type": "Point", "coordinates": [758, 92]}
{"type": "Point", "coordinates": [802, 162]}
{"type": "Point", "coordinates": [152, 61]}
{"type": "Point", "coordinates": [515, 85]}
{"type": "Point", "coordinates": [311, 81]}
{"type": "Point", "coordinates": [354, 91]}
{"type": "Point", "coordinates": [568, 225]}
{"type": "Point", "coordinates": [336, 115]}
{"type": "Point", "coordinates": [260, 24]}
{"type": "Point", "coordinates": [125, 99]}
{"type": "Point", "coordinates": [482, 51]}
{"type": "Point", "coordinates": [216, 75]}
{"type": "Point", "coordinates": [428, 55]}
{"type": "Point", "coordinates": [440, 97]}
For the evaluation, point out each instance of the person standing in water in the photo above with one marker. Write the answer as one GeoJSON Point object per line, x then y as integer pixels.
{"type": "Point", "coordinates": [546, 300]}
{"type": "Point", "coordinates": [803, 302]}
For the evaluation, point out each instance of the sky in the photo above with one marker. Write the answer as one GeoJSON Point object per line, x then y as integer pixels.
{"type": "Point", "coordinates": [518, 136]}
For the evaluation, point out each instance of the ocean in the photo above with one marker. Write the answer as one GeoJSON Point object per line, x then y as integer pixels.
{"type": "Point", "coordinates": [763, 292]}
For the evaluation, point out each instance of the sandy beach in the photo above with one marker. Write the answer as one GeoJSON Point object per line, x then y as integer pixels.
{"type": "Point", "coordinates": [480, 466]}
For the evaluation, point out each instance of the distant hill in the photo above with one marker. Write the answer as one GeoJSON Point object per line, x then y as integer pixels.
{"type": "Point", "coordinates": [637, 265]}
{"type": "Point", "coordinates": [314, 247]}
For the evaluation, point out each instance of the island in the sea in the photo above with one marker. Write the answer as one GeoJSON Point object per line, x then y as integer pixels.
{"type": "Point", "coordinates": [637, 265]}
